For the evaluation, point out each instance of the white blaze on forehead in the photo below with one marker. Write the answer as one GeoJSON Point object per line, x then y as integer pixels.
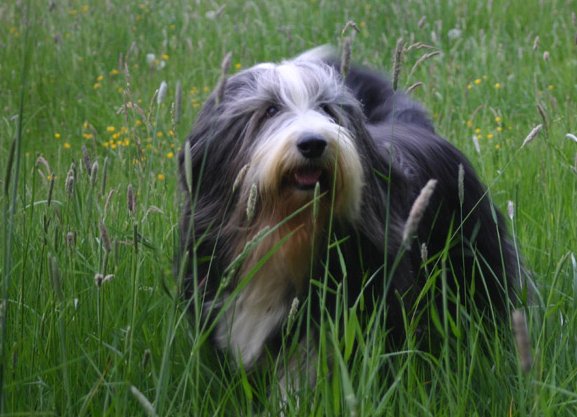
{"type": "Point", "coordinates": [298, 85]}
{"type": "Point", "coordinates": [293, 85]}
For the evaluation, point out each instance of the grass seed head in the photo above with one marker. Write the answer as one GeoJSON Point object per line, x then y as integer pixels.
{"type": "Point", "coordinates": [532, 135]}
{"type": "Point", "coordinates": [346, 56]}
{"type": "Point", "coordinates": [424, 253]}
{"type": "Point", "coordinates": [421, 22]}
{"type": "Point", "coordinates": [98, 278]}
{"type": "Point", "coordinates": [144, 402]}
{"type": "Point", "coordinates": [94, 173]}
{"type": "Point", "coordinates": [510, 209]}
{"type": "Point", "coordinates": [398, 61]}
{"type": "Point", "coordinates": [71, 239]}
{"type": "Point", "coordinates": [161, 92]}
{"type": "Point", "coordinates": [86, 159]}
{"type": "Point", "coordinates": [178, 102]}
{"type": "Point", "coordinates": [522, 340]}
{"type": "Point", "coordinates": [251, 203]}
{"type": "Point", "coordinates": [188, 166]}
{"type": "Point", "coordinates": [56, 277]}
{"type": "Point", "coordinates": [43, 162]}
{"type": "Point", "coordinates": [292, 312]}
{"type": "Point", "coordinates": [461, 184]}
{"type": "Point", "coordinates": [108, 200]}
{"type": "Point", "coordinates": [414, 86]}
{"type": "Point", "coordinates": [542, 113]}
{"type": "Point", "coordinates": [417, 212]}
{"type": "Point", "coordinates": [221, 86]}
{"type": "Point", "coordinates": [422, 59]}
{"type": "Point", "coordinates": [130, 200]}
{"type": "Point", "coordinates": [240, 177]}
{"type": "Point", "coordinates": [476, 144]}
{"type": "Point", "coordinates": [316, 202]}
{"type": "Point", "coordinates": [50, 190]}
{"type": "Point", "coordinates": [348, 26]}
{"type": "Point", "coordinates": [105, 237]}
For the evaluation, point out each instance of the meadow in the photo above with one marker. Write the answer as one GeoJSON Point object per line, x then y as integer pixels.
{"type": "Point", "coordinates": [91, 323]}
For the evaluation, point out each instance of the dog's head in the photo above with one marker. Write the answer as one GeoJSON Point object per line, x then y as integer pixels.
{"type": "Point", "coordinates": [263, 148]}
{"type": "Point", "coordinates": [283, 128]}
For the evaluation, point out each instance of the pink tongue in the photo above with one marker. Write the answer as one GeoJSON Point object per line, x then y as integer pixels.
{"type": "Point", "coordinates": [308, 177]}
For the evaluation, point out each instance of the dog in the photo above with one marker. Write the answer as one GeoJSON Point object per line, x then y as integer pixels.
{"type": "Point", "coordinates": [295, 174]}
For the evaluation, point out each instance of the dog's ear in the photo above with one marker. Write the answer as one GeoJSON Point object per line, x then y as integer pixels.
{"type": "Point", "coordinates": [204, 206]}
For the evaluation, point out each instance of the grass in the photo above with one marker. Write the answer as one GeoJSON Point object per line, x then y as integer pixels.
{"type": "Point", "coordinates": [76, 74]}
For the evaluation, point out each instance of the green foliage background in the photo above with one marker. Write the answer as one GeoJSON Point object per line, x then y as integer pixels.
{"type": "Point", "coordinates": [79, 74]}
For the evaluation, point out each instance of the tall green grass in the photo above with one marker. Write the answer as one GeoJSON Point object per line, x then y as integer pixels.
{"type": "Point", "coordinates": [76, 74]}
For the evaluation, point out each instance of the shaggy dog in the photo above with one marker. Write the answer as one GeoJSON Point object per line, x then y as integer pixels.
{"type": "Point", "coordinates": [299, 183]}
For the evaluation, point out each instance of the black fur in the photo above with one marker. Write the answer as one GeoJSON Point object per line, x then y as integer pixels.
{"type": "Point", "coordinates": [401, 152]}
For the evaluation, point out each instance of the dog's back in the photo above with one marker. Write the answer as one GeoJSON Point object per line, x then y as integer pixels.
{"type": "Point", "coordinates": [460, 216]}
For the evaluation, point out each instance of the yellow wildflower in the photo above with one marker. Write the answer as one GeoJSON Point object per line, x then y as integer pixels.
{"type": "Point", "coordinates": [57, 135]}
{"type": "Point", "coordinates": [160, 177]}
{"type": "Point", "coordinates": [66, 145]}
{"type": "Point", "coordinates": [110, 129]}
{"type": "Point", "coordinates": [170, 155]}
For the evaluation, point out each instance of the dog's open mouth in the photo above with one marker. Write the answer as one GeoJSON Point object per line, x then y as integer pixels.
{"type": "Point", "coordinates": [306, 178]}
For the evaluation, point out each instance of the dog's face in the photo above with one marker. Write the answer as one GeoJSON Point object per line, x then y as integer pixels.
{"type": "Point", "coordinates": [261, 148]}
{"type": "Point", "coordinates": [294, 135]}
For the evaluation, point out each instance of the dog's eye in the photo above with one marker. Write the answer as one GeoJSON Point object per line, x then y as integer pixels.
{"type": "Point", "coordinates": [326, 109]}
{"type": "Point", "coordinates": [271, 111]}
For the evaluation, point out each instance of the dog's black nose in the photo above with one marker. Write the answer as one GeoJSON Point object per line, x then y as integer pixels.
{"type": "Point", "coordinates": [311, 146]}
